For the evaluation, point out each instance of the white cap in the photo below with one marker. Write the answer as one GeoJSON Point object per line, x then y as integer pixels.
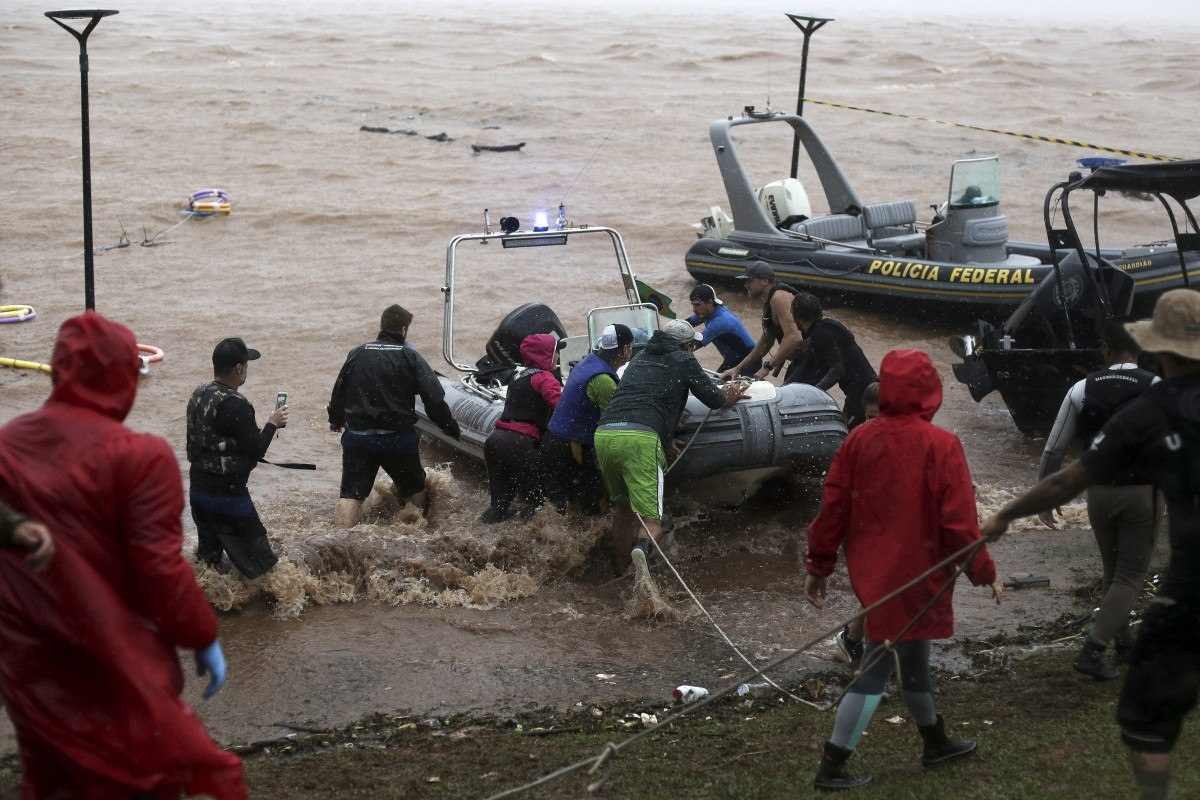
{"type": "Point", "coordinates": [608, 339]}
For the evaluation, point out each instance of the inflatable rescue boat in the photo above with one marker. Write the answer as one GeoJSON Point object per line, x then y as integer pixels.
{"type": "Point", "coordinates": [776, 430]}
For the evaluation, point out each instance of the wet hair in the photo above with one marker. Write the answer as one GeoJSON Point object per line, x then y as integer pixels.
{"type": "Point", "coordinates": [395, 320]}
{"type": "Point", "coordinates": [1117, 339]}
{"type": "Point", "coordinates": [806, 307]}
{"type": "Point", "coordinates": [870, 396]}
{"type": "Point", "coordinates": [624, 335]}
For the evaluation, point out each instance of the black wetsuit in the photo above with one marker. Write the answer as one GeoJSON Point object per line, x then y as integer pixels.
{"type": "Point", "coordinates": [833, 357]}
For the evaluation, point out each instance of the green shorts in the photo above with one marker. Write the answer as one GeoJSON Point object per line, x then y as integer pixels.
{"type": "Point", "coordinates": [631, 462]}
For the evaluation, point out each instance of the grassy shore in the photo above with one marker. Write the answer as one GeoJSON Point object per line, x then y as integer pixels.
{"type": "Point", "coordinates": [1043, 732]}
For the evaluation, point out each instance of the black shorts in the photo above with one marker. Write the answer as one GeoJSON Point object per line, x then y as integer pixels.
{"type": "Point", "coordinates": [364, 453]}
{"type": "Point", "coordinates": [230, 524]}
{"type": "Point", "coordinates": [1163, 680]}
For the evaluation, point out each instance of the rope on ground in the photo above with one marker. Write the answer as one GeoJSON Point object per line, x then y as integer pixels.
{"type": "Point", "coordinates": [966, 552]}
{"type": "Point", "coordinates": [757, 672]}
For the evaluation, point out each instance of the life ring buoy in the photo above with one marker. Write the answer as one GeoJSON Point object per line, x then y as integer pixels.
{"type": "Point", "coordinates": [153, 354]}
{"type": "Point", "coordinates": [207, 202]}
{"type": "Point", "coordinates": [17, 363]}
{"type": "Point", "coordinates": [17, 313]}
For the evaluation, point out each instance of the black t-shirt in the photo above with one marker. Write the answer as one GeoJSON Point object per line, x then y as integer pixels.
{"type": "Point", "coordinates": [833, 357]}
{"type": "Point", "coordinates": [1143, 437]}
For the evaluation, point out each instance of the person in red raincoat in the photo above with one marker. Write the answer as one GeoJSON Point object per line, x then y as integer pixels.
{"type": "Point", "coordinates": [899, 496]}
{"type": "Point", "coordinates": [88, 665]}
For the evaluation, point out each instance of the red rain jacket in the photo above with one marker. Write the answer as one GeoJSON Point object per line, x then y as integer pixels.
{"type": "Point", "coordinates": [899, 495]}
{"type": "Point", "coordinates": [88, 664]}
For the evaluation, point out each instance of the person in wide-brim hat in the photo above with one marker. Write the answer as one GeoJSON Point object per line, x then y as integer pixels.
{"type": "Point", "coordinates": [1174, 328]}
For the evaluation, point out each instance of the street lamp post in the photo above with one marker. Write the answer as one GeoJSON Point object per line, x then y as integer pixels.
{"type": "Point", "coordinates": [808, 26]}
{"type": "Point", "coordinates": [93, 17]}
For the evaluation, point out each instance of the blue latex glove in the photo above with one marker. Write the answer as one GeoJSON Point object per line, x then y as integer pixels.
{"type": "Point", "coordinates": [211, 661]}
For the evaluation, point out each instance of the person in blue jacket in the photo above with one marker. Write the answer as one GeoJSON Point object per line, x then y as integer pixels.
{"type": "Point", "coordinates": [568, 448]}
{"type": "Point", "coordinates": [723, 329]}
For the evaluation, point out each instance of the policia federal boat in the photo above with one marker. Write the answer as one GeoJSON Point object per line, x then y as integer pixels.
{"type": "Point", "coordinates": [775, 430]}
{"type": "Point", "coordinates": [961, 258]}
{"type": "Point", "coordinates": [1053, 338]}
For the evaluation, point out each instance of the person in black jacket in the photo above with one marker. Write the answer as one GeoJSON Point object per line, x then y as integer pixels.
{"type": "Point", "coordinates": [374, 401]}
{"type": "Point", "coordinates": [832, 357]}
{"type": "Point", "coordinates": [638, 426]}
{"type": "Point", "coordinates": [224, 445]}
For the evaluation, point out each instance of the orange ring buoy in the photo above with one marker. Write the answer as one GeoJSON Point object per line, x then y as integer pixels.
{"type": "Point", "coordinates": [153, 354]}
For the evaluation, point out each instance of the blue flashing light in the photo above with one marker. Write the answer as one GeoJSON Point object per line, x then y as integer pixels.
{"type": "Point", "coordinates": [541, 221]}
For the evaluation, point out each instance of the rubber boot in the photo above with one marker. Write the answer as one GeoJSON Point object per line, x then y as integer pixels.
{"type": "Point", "coordinates": [832, 775]}
{"type": "Point", "coordinates": [940, 748]}
{"type": "Point", "coordinates": [1092, 662]}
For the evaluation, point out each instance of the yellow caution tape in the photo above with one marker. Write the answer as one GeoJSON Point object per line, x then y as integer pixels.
{"type": "Point", "coordinates": [1036, 137]}
{"type": "Point", "coordinates": [17, 363]}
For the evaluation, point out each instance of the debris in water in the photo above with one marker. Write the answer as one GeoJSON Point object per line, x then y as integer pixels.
{"type": "Point", "coordinates": [896, 720]}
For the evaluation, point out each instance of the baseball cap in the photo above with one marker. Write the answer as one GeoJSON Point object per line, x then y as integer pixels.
{"type": "Point", "coordinates": [1174, 327]}
{"type": "Point", "coordinates": [681, 331]}
{"type": "Point", "coordinates": [231, 352]}
{"type": "Point", "coordinates": [614, 336]}
{"type": "Point", "coordinates": [757, 269]}
{"type": "Point", "coordinates": [705, 294]}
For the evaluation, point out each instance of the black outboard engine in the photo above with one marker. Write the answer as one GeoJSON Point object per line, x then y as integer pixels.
{"type": "Point", "coordinates": [503, 349]}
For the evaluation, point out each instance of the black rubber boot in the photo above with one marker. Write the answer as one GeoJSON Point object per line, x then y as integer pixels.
{"type": "Point", "coordinates": [1092, 662]}
{"type": "Point", "coordinates": [832, 775]}
{"type": "Point", "coordinates": [493, 515]}
{"type": "Point", "coordinates": [940, 748]}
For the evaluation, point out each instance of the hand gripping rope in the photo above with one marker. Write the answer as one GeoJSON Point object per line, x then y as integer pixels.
{"type": "Point", "coordinates": [594, 763]}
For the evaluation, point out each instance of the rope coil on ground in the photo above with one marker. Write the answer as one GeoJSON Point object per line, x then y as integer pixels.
{"type": "Point", "coordinates": [966, 553]}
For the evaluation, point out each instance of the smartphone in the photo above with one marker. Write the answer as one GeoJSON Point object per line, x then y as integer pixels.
{"type": "Point", "coordinates": [280, 399]}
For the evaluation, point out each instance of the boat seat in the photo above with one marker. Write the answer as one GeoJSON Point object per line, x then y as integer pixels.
{"type": "Point", "coordinates": [891, 226]}
{"type": "Point", "coordinates": [836, 227]}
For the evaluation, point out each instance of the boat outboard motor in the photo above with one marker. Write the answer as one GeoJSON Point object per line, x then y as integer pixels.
{"type": "Point", "coordinates": [785, 202]}
{"type": "Point", "coordinates": [503, 349]}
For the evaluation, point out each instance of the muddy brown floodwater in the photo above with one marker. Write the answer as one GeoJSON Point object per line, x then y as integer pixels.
{"type": "Point", "coordinates": [331, 224]}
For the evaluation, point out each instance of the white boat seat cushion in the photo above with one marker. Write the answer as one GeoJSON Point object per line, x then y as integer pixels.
{"type": "Point", "coordinates": [890, 215]}
{"type": "Point", "coordinates": [837, 227]}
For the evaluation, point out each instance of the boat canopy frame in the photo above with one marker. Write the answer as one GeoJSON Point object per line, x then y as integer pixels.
{"type": "Point", "coordinates": [520, 240]}
{"type": "Point", "coordinates": [1178, 180]}
{"type": "Point", "coordinates": [748, 213]}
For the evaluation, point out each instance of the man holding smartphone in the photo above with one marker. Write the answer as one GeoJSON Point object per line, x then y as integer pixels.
{"type": "Point", "coordinates": [224, 445]}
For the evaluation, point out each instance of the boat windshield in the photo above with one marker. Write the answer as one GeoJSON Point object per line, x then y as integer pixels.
{"type": "Point", "coordinates": [641, 319]}
{"type": "Point", "coordinates": [975, 182]}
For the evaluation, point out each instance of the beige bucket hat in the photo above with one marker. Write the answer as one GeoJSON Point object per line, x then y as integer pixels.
{"type": "Point", "coordinates": [1174, 327]}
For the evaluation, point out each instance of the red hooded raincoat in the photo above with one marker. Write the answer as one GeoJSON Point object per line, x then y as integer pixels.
{"type": "Point", "coordinates": [88, 664]}
{"type": "Point", "coordinates": [899, 494]}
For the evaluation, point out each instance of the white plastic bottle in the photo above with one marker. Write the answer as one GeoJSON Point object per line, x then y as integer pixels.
{"type": "Point", "coordinates": [689, 694]}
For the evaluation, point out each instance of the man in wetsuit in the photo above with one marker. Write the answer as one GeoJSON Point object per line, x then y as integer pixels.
{"type": "Point", "coordinates": [1123, 513]}
{"type": "Point", "coordinates": [832, 357]}
{"type": "Point", "coordinates": [778, 326]}
{"type": "Point", "coordinates": [1157, 435]}
{"type": "Point", "coordinates": [224, 445]}
{"type": "Point", "coordinates": [374, 401]}
{"type": "Point", "coordinates": [568, 449]}
{"type": "Point", "coordinates": [722, 329]}
{"type": "Point", "coordinates": [638, 426]}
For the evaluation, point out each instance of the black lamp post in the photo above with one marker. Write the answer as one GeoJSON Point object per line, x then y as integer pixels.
{"type": "Point", "coordinates": [93, 17]}
{"type": "Point", "coordinates": [808, 26]}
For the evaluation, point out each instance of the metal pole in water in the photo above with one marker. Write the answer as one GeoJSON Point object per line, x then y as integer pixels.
{"type": "Point", "coordinates": [808, 26]}
{"type": "Point", "coordinates": [93, 16]}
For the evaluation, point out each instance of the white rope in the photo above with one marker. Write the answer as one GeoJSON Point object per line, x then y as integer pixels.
{"type": "Point", "coordinates": [967, 552]}
{"type": "Point", "coordinates": [758, 673]}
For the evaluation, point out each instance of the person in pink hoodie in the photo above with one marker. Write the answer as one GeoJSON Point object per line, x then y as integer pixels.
{"type": "Point", "coordinates": [511, 452]}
